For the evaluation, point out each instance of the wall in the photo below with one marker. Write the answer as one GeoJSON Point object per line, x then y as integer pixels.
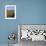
{"type": "Point", "coordinates": [28, 12]}
{"type": "Point", "coordinates": [6, 26]}
{"type": "Point", "coordinates": [31, 11]}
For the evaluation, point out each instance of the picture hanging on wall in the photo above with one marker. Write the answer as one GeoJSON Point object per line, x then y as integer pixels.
{"type": "Point", "coordinates": [10, 11]}
{"type": "Point", "coordinates": [31, 32]}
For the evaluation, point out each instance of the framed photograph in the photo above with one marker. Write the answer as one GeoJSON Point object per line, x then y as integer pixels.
{"type": "Point", "coordinates": [33, 32]}
{"type": "Point", "coordinates": [10, 11]}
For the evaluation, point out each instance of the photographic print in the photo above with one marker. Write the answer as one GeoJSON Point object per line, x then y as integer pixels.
{"type": "Point", "coordinates": [32, 32]}
{"type": "Point", "coordinates": [10, 11]}
{"type": "Point", "coordinates": [29, 34]}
